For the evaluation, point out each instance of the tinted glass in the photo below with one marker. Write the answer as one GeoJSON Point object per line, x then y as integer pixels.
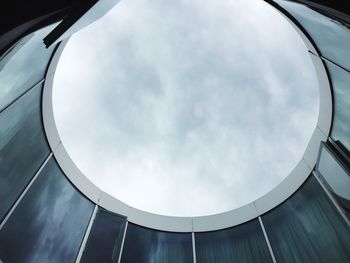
{"type": "Point", "coordinates": [243, 243]}
{"type": "Point", "coordinates": [308, 228]}
{"type": "Point", "coordinates": [23, 147]}
{"type": "Point", "coordinates": [49, 223]}
{"type": "Point", "coordinates": [24, 65]}
{"type": "Point", "coordinates": [341, 104]}
{"type": "Point", "coordinates": [331, 34]}
{"type": "Point", "coordinates": [336, 178]}
{"type": "Point", "coordinates": [105, 238]}
{"type": "Point", "coordinates": [144, 245]}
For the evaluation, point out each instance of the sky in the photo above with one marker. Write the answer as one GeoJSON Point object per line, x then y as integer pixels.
{"type": "Point", "coordinates": [186, 107]}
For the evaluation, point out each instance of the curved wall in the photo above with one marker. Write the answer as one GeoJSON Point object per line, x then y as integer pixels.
{"type": "Point", "coordinates": [49, 218]}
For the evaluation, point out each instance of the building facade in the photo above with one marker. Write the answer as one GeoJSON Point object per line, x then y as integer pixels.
{"type": "Point", "coordinates": [50, 212]}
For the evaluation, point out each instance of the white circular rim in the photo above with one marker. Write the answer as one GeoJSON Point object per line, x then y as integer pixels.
{"type": "Point", "coordinates": [199, 223]}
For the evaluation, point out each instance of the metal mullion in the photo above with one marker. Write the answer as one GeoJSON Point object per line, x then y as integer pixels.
{"type": "Point", "coordinates": [330, 196]}
{"type": "Point", "coordinates": [9, 213]}
{"type": "Point", "coordinates": [194, 247]}
{"type": "Point", "coordinates": [122, 245]}
{"type": "Point", "coordinates": [21, 95]}
{"type": "Point", "coordinates": [334, 63]}
{"type": "Point", "coordinates": [87, 233]}
{"type": "Point", "coordinates": [267, 240]}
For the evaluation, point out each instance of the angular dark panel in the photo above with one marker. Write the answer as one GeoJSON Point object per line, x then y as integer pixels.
{"type": "Point", "coordinates": [330, 33]}
{"type": "Point", "coordinates": [308, 228]}
{"type": "Point", "coordinates": [341, 104]}
{"type": "Point", "coordinates": [143, 245]}
{"type": "Point", "coordinates": [335, 177]}
{"type": "Point", "coordinates": [243, 243]}
{"type": "Point", "coordinates": [23, 66]}
{"type": "Point", "coordinates": [49, 223]}
{"type": "Point", "coordinates": [23, 147]}
{"type": "Point", "coordinates": [105, 238]}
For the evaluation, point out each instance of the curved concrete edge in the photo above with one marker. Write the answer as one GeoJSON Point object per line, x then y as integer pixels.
{"type": "Point", "coordinates": [326, 101]}
{"type": "Point", "coordinates": [46, 104]}
{"type": "Point", "coordinates": [308, 41]}
{"type": "Point", "coordinates": [202, 223]}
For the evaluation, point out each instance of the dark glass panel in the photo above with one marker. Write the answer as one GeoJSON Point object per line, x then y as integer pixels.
{"type": "Point", "coordinates": [49, 223]}
{"type": "Point", "coordinates": [331, 34]}
{"type": "Point", "coordinates": [243, 243]}
{"type": "Point", "coordinates": [335, 177]}
{"type": "Point", "coordinates": [143, 245]}
{"type": "Point", "coordinates": [23, 147]}
{"type": "Point", "coordinates": [24, 65]}
{"type": "Point", "coordinates": [105, 238]}
{"type": "Point", "coordinates": [341, 104]}
{"type": "Point", "coordinates": [308, 228]}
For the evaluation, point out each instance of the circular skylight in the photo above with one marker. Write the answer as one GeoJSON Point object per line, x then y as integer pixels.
{"type": "Point", "coordinates": [186, 108]}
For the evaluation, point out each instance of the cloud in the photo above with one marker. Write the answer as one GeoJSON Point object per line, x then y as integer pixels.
{"type": "Point", "coordinates": [189, 107]}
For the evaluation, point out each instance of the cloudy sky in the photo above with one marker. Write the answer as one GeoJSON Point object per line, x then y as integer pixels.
{"type": "Point", "coordinates": [186, 107]}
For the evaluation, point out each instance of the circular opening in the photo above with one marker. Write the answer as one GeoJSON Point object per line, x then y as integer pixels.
{"type": "Point", "coordinates": [187, 108]}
